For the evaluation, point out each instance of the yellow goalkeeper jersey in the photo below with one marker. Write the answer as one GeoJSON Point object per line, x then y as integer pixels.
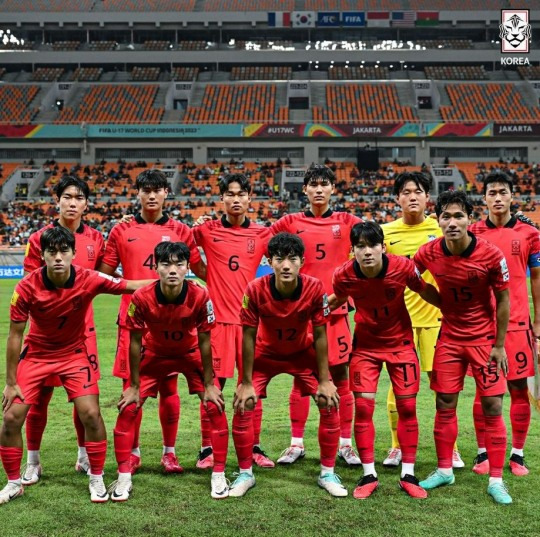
{"type": "Point", "coordinates": [402, 239]}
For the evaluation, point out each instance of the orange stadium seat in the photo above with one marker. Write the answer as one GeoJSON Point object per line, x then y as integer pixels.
{"type": "Point", "coordinates": [185, 73]}
{"type": "Point", "coordinates": [14, 104]}
{"type": "Point", "coordinates": [47, 74]}
{"type": "Point", "coordinates": [456, 72]}
{"type": "Point", "coordinates": [146, 5]}
{"type": "Point", "coordinates": [256, 72]}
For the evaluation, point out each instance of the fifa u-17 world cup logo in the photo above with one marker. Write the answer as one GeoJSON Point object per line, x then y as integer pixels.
{"type": "Point", "coordinates": [515, 30]}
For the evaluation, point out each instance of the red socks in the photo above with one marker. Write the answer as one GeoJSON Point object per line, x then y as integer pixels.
{"type": "Point", "coordinates": [11, 460]}
{"type": "Point", "coordinates": [445, 433]}
{"type": "Point", "coordinates": [479, 423]}
{"type": "Point", "coordinates": [220, 436]}
{"type": "Point", "coordinates": [206, 427]}
{"type": "Point", "coordinates": [407, 428]}
{"type": "Point", "coordinates": [495, 444]}
{"type": "Point", "coordinates": [346, 408]}
{"type": "Point", "coordinates": [243, 438]}
{"type": "Point", "coordinates": [97, 452]}
{"type": "Point", "coordinates": [364, 431]}
{"type": "Point", "coordinates": [124, 432]}
{"type": "Point", "coordinates": [36, 420]}
{"type": "Point", "coordinates": [298, 412]}
{"type": "Point", "coordinates": [169, 410]}
{"type": "Point", "coordinates": [257, 422]}
{"type": "Point", "coordinates": [520, 416]}
{"type": "Point", "coordinates": [328, 435]}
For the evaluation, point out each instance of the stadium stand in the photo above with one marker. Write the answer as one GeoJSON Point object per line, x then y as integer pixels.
{"type": "Point", "coordinates": [66, 45]}
{"type": "Point", "coordinates": [144, 5]}
{"type": "Point", "coordinates": [46, 5]}
{"type": "Point", "coordinates": [115, 104]}
{"type": "Point", "coordinates": [47, 74]}
{"type": "Point", "coordinates": [145, 73]}
{"type": "Point", "coordinates": [87, 74]}
{"type": "Point", "coordinates": [2, 72]}
{"type": "Point", "coordinates": [487, 102]}
{"type": "Point", "coordinates": [363, 102]}
{"type": "Point", "coordinates": [529, 71]}
{"type": "Point", "coordinates": [15, 103]}
{"type": "Point", "coordinates": [184, 73]}
{"type": "Point", "coordinates": [236, 104]}
{"type": "Point", "coordinates": [249, 72]}
{"type": "Point", "coordinates": [454, 44]}
{"type": "Point", "coordinates": [456, 72]}
{"type": "Point", "coordinates": [191, 45]}
{"type": "Point", "coordinates": [157, 45]}
{"type": "Point", "coordinates": [248, 5]}
{"type": "Point", "coordinates": [102, 45]}
{"type": "Point", "coordinates": [358, 72]}
{"type": "Point", "coordinates": [262, 44]}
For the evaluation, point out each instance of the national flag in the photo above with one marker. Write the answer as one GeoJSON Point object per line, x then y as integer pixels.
{"type": "Point", "coordinates": [303, 19]}
{"type": "Point", "coordinates": [427, 18]}
{"type": "Point", "coordinates": [378, 18]}
{"type": "Point", "coordinates": [279, 18]}
{"type": "Point", "coordinates": [403, 18]}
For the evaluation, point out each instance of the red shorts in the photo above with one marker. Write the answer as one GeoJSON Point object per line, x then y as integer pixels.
{"type": "Point", "coordinates": [91, 348]}
{"type": "Point", "coordinates": [450, 366]}
{"type": "Point", "coordinates": [121, 359]}
{"type": "Point", "coordinates": [154, 369]}
{"type": "Point", "coordinates": [75, 372]}
{"type": "Point", "coordinates": [226, 341]}
{"type": "Point", "coordinates": [403, 368]}
{"type": "Point", "coordinates": [302, 366]}
{"type": "Point", "coordinates": [519, 349]}
{"type": "Point", "coordinates": [338, 333]}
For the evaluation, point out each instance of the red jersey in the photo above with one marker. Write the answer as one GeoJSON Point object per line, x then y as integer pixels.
{"type": "Point", "coordinates": [520, 244]}
{"type": "Point", "coordinates": [382, 320]}
{"type": "Point", "coordinates": [170, 329]}
{"type": "Point", "coordinates": [132, 245]}
{"type": "Point", "coordinates": [89, 250]}
{"type": "Point", "coordinates": [58, 314]}
{"type": "Point", "coordinates": [466, 284]}
{"type": "Point", "coordinates": [284, 324]}
{"type": "Point", "coordinates": [326, 239]}
{"type": "Point", "coordinates": [233, 255]}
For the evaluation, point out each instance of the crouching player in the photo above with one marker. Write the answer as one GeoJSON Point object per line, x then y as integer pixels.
{"type": "Point", "coordinates": [383, 334]}
{"type": "Point", "coordinates": [170, 322]}
{"type": "Point", "coordinates": [284, 318]}
{"type": "Point", "coordinates": [56, 297]}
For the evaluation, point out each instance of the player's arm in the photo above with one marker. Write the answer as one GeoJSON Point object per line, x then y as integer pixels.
{"type": "Point", "coordinates": [199, 269]}
{"type": "Point", "coordinates": [131, 394]}
{"type": "Point", "coordinates": [13, 351]}
{"type": "Point", "coordinates": [245, 390]}
{"type": "Point", "coordinates": [535, 292]}
{"type": "Point", "coordinates": [431, 295]}
{"type": "Point", "coordinates": [106, 269]}
{"type": "Point", "coordinates": [133, 285]}
{"type": "Point", "coordinates": [326, 389]}
{"type": "Point", "coordinates": [334, 301]}
{"type": "Point", "coordinates": [211, 392]}
{"type": "Point", "coordinates": [498, 354]}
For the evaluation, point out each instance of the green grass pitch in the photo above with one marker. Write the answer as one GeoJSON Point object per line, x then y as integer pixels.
{"type": "Point", "coordinates": [286, 500]}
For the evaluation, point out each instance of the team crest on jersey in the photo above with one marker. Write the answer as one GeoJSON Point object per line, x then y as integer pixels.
{"type": "Point", "coordinates": [91, 252]}
{"type": "Point", "coordinates": [302, 316]}
{"type": "Point", "coordinates": [14, 298]}
{"type": "Point", "coordinates": [251, 246]}
{"type": "Point", "coordinates": [431, 238]}
{"type": "Point", "coordinates": [390, 293]}
{"type": "Point", "coordinates": [336, 231]}
{"type": "Point", "coordinates": [245, 302]}
{"type": "Point", "coordinates": [77, 302]}
{"type": "Point", "coordinates": [516, 247]}
{"type": "Point", "coordinates": [165, 238]}
{"type": "Point", "coordinates": [131, 309]}
{"type": "Point", "coordinates": [472, 276]}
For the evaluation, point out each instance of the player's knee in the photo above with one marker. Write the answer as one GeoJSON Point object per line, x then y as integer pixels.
{"type": "Point", "coordinates": [339, 373]}
{"type": "Point", "coordinates": [250, 404]}
{"type": "Point", "coordinates": [446, 400]}
{"type": "Point", "coordinates": [90, 416]}
{"type": "Point", "coordinates": [492, 406]}
{"type": "Point", "coordinates": [13, 420]}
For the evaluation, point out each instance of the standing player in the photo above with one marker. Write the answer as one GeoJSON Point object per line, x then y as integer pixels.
{"type": "Point", "coordinates": [284, 318]}
{"type": "Point", "coordinates": [520, 245]}
{"type": "Point", "coordinates": [170, 322]}
{"type": "Point", "coordinates": [326, 236]}
{"type": "Point", "coordinates": [383, 335]}
{"type": "Point", "coordinates": [403, 237]}
{"type": "Point", "coordinates": [468, 271]}
{"type": "Point", "coordinates": [56, 297]}
{"type": "Point", "coordinates": [131, 244]}
{"type": "Point", "coordinates": [71, 194]}
{"type": "Point", "coordinates": [234, 247]}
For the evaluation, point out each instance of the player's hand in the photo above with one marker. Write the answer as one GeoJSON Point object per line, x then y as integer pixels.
{"type": "Point", "coordinates": [129, 396]}
{"type": "Point", "coordinates": [328, 391]}
{"type": "Point", "coordinates": [127, 218]}
{"type": "Point", "coordinates": [9, 395]}
{"type": "Point", "coordinates": [498, 355]}
{"type": "Point", "coordinates": [536, 329]}
{"type": "Point", "coordinates": [244, 392]}
{"type": "Point", "coordinates": [212, 394]}
{"type": "Point", "coordinates": [201, 220]}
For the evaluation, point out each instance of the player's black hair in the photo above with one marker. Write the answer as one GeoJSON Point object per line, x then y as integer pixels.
{"type": "Point", "coordinates": [421, 180]}
{"type": "Point", "coordinates": [153, 178]}
{"type": "Point", "coordinates": [166, 251]}
{"type": "Point", "coordinates": [371, 232]}
{"type": "Point", "coordinates": [57, 238]}
{"type": "Point", "coordinates": [319, 171]}
{"type": "Point", "coordinates": [285, 244]}
{"type": "Point", "coordinates": [239, 178]}
{"type": "Point", "coordinates": [498, 177]}
{"type": "Point", "coordinates": [449, 197]}
{"type": "Point", "coordinates": [69, 180]}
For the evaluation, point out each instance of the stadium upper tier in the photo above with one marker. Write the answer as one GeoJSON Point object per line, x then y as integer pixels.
{"type": "Point", "coordinates": [261, 102]}
{"type": "Point", "coordinates": [250, 5]}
